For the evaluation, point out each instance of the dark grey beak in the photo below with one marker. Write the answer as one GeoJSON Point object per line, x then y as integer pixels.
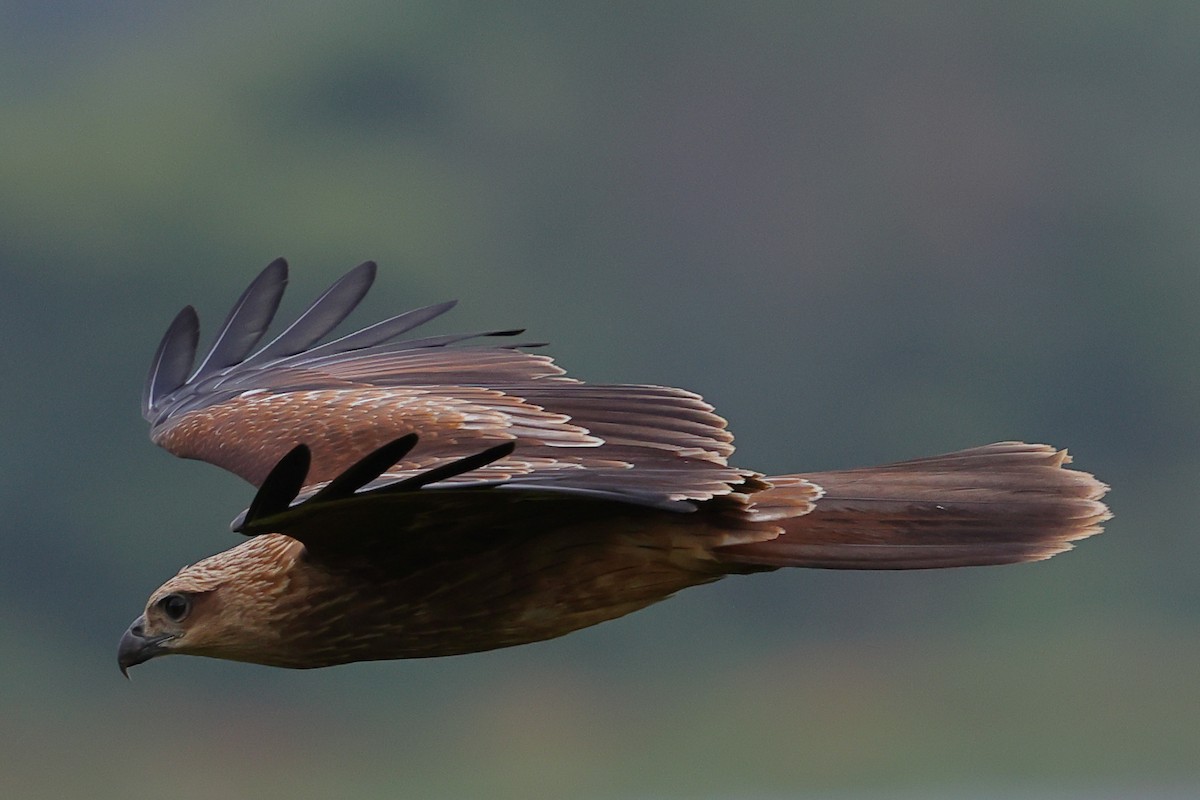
{"type": "Point", "coordinates": [136, 648]}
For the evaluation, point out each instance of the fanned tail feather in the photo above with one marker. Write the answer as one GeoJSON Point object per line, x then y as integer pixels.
{"type": "Point", "coordinates": [1002, 503]}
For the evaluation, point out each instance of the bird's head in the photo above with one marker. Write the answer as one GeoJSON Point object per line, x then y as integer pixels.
{"type": "Point", "coordinates": [221, 606]}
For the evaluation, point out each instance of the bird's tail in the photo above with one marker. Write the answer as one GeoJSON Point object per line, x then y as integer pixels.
{"type": "Point", "coordinates": [998, 504]}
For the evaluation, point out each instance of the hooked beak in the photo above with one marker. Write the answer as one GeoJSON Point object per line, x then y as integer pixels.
{"type": "Point", "coordinates": [136, 648]}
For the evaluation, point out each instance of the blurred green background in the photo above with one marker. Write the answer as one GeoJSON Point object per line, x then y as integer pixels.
{"type": "Point", "coordinates": [864, 233]}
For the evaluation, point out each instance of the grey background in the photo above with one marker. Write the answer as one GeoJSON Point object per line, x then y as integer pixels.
{"type": "Point", "coordinates": [864, 233]}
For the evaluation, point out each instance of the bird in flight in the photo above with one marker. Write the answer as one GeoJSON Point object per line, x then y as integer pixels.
{"type": "Point", "coordinates": [429, 496]}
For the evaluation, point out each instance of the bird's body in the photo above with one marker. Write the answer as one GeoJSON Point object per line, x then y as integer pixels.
{"type": "Point", "coordinates": [491, 594]}
{"type": "Point", "coordinates": [418, 499]}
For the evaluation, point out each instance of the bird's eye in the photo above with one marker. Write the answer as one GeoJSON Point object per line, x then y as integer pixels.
{"type": "Point", "coordinates": [175, 606]}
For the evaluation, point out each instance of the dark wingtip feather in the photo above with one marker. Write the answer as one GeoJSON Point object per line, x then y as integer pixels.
{"type": "Point", "coordinates": [247, 321]}
{"type": "Point", "coordinates": [378, 333]}
{"type": "Point", "coordinates": [280, 488]}
{"type": "Point", "coordinates": [453, 469]}
{"type": "Point", "coordinates": [366, 469]}
{"type": "Point", "coordinates": [454, 338]}
{"type": "Point", "coordinates": [286, 479]}
{"type": "Point", "coordinates": [322, 316]}
{"type": "Point", "coordinates": [172, 360]}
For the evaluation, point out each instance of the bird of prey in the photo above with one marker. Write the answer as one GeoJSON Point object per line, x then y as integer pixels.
{"type": "Point", "coordinates": [447, 494]}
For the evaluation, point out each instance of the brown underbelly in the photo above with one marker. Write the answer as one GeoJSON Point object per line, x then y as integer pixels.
{"type": "Point", "coordinates": [529, 591]}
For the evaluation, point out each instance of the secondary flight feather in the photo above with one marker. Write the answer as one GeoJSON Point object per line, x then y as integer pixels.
{"type": "Point", "coordinates": [425, 496]}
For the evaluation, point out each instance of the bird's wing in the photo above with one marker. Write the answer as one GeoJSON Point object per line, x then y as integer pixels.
{"type": "Point", "coordinates": [364, 516]}
{"type": "Point", "coordinates": [243, 409]}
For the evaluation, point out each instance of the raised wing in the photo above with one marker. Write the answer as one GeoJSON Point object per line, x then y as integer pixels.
{"type": "Point", "coordinates": [244, 409]}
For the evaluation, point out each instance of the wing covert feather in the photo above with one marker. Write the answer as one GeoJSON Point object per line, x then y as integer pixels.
{"type": "Point", "coordinates": [344, 398]}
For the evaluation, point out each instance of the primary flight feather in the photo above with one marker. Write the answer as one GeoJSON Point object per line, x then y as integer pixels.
{"type": "Point", "coordinates": [448, 494]}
